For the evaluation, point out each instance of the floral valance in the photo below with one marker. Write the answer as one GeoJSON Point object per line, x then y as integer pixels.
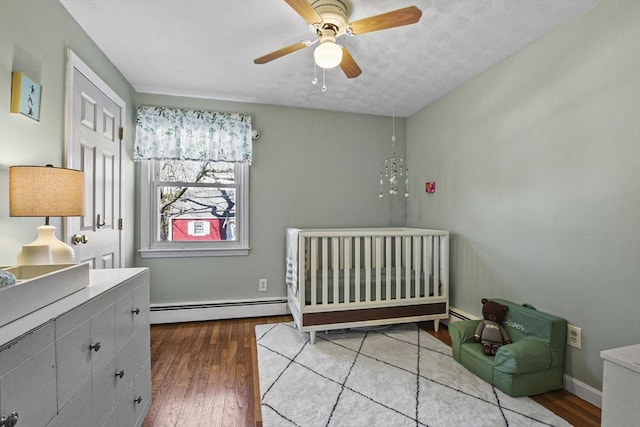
{"type": "Point", "coordinates": [164, 133]}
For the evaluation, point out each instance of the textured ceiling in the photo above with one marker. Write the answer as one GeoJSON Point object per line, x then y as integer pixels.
{"type": "Point", "coordinates": [205, 48]}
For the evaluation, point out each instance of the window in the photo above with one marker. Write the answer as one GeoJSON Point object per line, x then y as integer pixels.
{"type": "Point", "coordinates": [194, 181]}
{"type": "Point", "coordinates": [194, 208]}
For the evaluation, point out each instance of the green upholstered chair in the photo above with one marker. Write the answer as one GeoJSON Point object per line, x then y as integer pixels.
{"type": "Point", "coordinates": [532, 364]}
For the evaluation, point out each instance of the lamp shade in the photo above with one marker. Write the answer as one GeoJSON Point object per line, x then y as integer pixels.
{"type": "Point", "coordinates": [328, 55]}
{"type": "Point", "coordinates": [45, 191]}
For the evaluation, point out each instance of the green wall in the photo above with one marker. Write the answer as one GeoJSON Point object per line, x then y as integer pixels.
{"type": "Point", "coordinates": [310, 168]}
{"type": "Point", "coordinates": [34, 37]}
{"type": "Point", "coordinates": [537, 164]}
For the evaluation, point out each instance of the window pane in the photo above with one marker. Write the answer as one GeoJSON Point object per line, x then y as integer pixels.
{"type": "Point", "coordinates": [196, 214]}
{"type": "Point", "coordinates": [204, 172]}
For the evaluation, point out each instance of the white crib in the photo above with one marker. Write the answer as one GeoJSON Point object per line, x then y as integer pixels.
{"type": "Point", "coordinates": [341, 278]}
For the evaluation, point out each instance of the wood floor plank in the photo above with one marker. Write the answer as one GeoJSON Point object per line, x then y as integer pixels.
{"type": "Point", "coordinates": [199, 363]}
{"type": "Point", "coordinates": [206, 374]}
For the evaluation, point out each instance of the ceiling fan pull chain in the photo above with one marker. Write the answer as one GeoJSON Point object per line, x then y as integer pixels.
{"type": "Point", "coordinates": [315, 74]}
{"type": "Point", "coordinates": [324, 85]}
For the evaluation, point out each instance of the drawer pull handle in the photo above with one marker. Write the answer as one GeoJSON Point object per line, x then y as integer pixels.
{"type": "Point", "coordinates": [136, 311]}
{"type": "Point", "coordinates": [138, 400]}
{"type": "Point", "coordinates": [9, 422]}
{"type": "Point", "coordinates": [95, 347]}
{"type": "Point", "coordinates": [120, 373]}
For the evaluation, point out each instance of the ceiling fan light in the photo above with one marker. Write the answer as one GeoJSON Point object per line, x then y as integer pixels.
{"type": "Point", "coordinates": [328, 55]}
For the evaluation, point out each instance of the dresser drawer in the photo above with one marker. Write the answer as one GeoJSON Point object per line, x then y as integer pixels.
{"type": "Point", "coordinates": [102, 333]}
{"type": "Point", "coordinates": [141, 306]}
{"type": "Point", "coordinates": [124, 314]}
{"type": "Point", "coordinates": [103, 392]}
{"type": "Point", "coordinates": [78, 412]}
{"type": "Point", "coordinates": [74, 362]}
{"type": "Point", "coordinates": [127, 361]}
{"type": "Point", "coordinates": [14, 353]}
{"type": "Point", "coordinates": [143, 392]}
{"type": "Point", "coordinates": [30, 389]}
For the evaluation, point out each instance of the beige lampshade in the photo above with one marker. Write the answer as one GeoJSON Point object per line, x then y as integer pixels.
{"type": "Point", "coordinates": [45, 191]}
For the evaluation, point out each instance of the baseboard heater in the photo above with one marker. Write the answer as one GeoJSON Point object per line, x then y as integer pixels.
{"type": "Point", "coordinates": [216, 310]}
{"type": "Point", "coordinates": [456, 315]}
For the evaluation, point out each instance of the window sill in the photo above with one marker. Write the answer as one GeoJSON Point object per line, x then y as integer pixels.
{"type": "Point", "coordinates": [191, 253]}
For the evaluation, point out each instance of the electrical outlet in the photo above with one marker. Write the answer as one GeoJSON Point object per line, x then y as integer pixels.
{"type": "Point", "coordinates": [574, 336]}
{"type": "Point", "coordinates": [262, 285]}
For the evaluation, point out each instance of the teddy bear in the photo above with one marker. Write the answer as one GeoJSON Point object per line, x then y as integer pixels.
{"type": "Point", "coordinates": [490, 331]}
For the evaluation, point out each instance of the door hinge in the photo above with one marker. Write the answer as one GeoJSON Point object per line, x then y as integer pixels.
{"type": "Point", "coordinates": [121, 133]}
{"type": "Point", "coordinates": [119, 223]}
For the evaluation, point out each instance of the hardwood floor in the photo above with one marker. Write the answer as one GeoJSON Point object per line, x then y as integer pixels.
{"type": "Point", "coordinates": [205, 374]}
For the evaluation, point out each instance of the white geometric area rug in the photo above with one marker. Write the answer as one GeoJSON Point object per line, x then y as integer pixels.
{"type": "Point", "coordinates": [391, 377]}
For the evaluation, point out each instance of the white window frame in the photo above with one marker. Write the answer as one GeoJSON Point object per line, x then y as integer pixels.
{"type": "Point", "coordinates": [150, 248]}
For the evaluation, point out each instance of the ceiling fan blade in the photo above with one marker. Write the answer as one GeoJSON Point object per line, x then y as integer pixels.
{"type": "Point", "coordinates": [305, 10]}
{"type": "Point", "coordinates": [280, 52]}
{"type": "Point", "coordinates": [349, 65]}
{"type": "Point", "coordinates": [395, 18]}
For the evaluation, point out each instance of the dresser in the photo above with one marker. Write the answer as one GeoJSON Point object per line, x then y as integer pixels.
{"type": "Point", "coordinates": [83, 360]}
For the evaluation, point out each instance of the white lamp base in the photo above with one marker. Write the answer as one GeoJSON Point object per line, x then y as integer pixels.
{"type": "Point", "coordinates": [61, 253]}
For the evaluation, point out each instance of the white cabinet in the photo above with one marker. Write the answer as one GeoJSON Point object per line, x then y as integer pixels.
{"type": "Point", "coordinates": [88, 364]}
{"type": "Point", "coordinates": [621, 386]}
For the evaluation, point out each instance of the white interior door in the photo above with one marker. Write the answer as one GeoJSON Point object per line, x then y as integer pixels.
{"type": "Point", "coordinates": [95, 116]}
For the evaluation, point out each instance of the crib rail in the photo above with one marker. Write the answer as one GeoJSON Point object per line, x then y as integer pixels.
{"type": "Point", "coordinates": [340, 268]}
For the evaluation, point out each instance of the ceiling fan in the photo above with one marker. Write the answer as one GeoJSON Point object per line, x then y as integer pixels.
{"type": "Point", "coordinates": [329, 19]}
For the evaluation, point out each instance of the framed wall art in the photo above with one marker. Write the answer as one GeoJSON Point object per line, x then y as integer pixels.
{"type": "Point", "coordinates": [25, 96]}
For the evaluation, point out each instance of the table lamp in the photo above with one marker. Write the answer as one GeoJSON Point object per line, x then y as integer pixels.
{"type": "Point", "coordinates": [46, 191]}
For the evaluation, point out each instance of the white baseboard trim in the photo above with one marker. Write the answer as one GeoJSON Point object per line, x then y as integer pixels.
{"type": "Point", "coordinates": [216, 310]}
{"type": "Point", "coordinates": [572, 385]}
{"type": "Point", "coordinates": [583, 391]}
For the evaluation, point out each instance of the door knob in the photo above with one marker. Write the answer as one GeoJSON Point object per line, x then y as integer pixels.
{"type": "Point", "coordinates": [11, 421]}
{"type": "Point", "coordinates": [77, 239]}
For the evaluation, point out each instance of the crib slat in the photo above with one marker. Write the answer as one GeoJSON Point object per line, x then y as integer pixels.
{"type": "Point", "coordinates": [407, 266]}
{"type": "Point", "coordinates": [436, 267]}
{"type": "Point", "coordinates": [325, 272]}
{"type": "Point", "coordinates": [367, 268]}
{"type": "Point", "coordinates": [387, 267]}
{"type": "Point", "coordinates": [356, 268]}
{"type": "Point", "coordinates": [314, 270]}
{"type": "Point", "coordinates": [427, 257]}
{"type": "Point", "coordinates": [378, 258]}
{"type": "Point", "coordinates": [398, 241]}
{"type": "Point", "coordinates": [416, 262]}
{"type": "Point", "coordinates": [347, 269]}
{"type": "Point", "coordinates": [335, 265]}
